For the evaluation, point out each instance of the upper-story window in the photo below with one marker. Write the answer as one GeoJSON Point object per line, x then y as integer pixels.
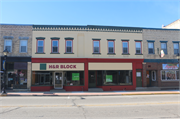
{"type": "Point", "coordinates": [23, 45]}
{"type": "Point", "coordinates": [164, 47]}
{"type": "Point", "coordinates": [125, 45]}
{"type": "Point", "coordinates": [176, 48]}
{"type": "Point", "coordinates": [138, 47]}
{"type": "Point", "coordinates": [151, 47]}
{"type": "Point", "coordinates": [96, 46]}
{"type": "Point", "coordinates": [69, 46]}
{"type": "Point", "coordinates": [40, 46]}
{"type": "Point", "coordinates": [110, 46]}
{"type": "Point", "coordinates": [55, 46]}
{"type": "Point", "coordinates": [8, 45]}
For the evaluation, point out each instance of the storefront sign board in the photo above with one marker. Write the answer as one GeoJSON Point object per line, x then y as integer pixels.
{"type": "Point", "coordinates": [75, 76]}
{"type": "Point", "coordinates": [109, 78]}
{"type": "Point", "coordinates": [170, 66]}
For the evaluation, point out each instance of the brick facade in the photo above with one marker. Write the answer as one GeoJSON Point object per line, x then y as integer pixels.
{"type": "Point", "coordinates": [17, 33]}
{"type": "Point", "coordinates": [153, 62]}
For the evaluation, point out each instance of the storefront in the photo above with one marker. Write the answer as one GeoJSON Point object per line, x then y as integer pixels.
{"type": "Point", "coordinates": [80, 74]}
{"type": "Point", "coordinates": [162, 75]}
{"type": "Point", "coordinates": [47, 76]}
{"type": "Point", "coordinates": [16, 72]}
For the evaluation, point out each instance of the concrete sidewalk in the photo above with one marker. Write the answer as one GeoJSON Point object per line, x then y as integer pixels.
{"type": "Point", "coordinates": [85, 93]}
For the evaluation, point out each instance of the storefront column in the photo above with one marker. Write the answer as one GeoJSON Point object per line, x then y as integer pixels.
{"type": "Point", "coordinates": [144, 75]}
{"type": "Point", "coordinates": [29, 75]}
{"type": "Point", "coordinates": [134, 75]}
{"type": "Point", "coordinates": [86, 76]}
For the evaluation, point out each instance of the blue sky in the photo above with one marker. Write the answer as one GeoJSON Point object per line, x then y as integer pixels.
{"type": "Point", "coordinates": [133, 13]}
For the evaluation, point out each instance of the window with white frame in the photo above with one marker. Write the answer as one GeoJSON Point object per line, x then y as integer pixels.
{"type": "Point", "coordinates": [8, 45]}
{"type": "Point", "coordinates": [138, 47]}
{"type": "Point", "coordinates": [176, 48]}
{"type": "Point", "coordinates": [69, 46]}
{"type": "Point", "coordinates": [110, 46]}
{"type": "Point", "coordinates": [169, 75]}
{"type": "Point", "coordinates": [23, 45]}
{"type": "Point", "coordinates": [55, 46]}
{"type": "Point", "coordinates": [153, 75]}
{"type": "Point", "coordinates": [164, 47]}
{"type": "Point", "coordinates": [151, 47]}
{"type": "Point", "coordinates": [40, 46]}
{"type": "Point", "coordinates": [96, 48]}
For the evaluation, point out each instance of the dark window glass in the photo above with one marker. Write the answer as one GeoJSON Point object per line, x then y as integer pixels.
{"type": "Point", "coordinates": [176, 48]}
{"type": "Point", "coordinates": [42, 78]}
{"type": "Point", "coordinates": [74, 78]}
{"type": "Point", "coordinates": [125, 47]}
{"type": "Point", "coordinates": [164, 47]}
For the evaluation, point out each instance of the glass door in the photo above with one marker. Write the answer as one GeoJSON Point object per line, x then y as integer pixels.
{"type": "Point", "coordinates": [58, 80]}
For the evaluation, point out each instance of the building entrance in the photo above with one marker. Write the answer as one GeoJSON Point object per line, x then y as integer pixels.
{"type": "Point", "coordinates": [58, 80]}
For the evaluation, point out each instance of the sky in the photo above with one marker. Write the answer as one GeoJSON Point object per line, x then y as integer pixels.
{"type": "Point", "coordinates": [130, 13]}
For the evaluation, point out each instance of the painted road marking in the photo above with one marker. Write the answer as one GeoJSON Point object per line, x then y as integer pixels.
{"type": "Point", "coordinates": [95, 105]}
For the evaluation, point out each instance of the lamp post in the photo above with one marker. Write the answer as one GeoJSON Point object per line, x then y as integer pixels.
{"type": "Point", "coordinates": [5, 52]}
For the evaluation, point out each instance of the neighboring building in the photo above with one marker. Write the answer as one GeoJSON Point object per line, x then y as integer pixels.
{"type": "Point", "coordinates": [76, 58]}
{"type": "Point", "coordinates": [173, 25]}
{"type": "Point", "coordinates": [161, 72]}
{"type": "Point", "coordinates": [17, 39]}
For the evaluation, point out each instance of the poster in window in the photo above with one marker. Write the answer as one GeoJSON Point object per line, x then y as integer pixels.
{"type": "Point", "coordinates": [21, 81]}
{"type": "Point", "coordinates": [138, 74]}
{"type": "Point", "coordinates": [170, 66]}
{"type": "Point", "coordinates": [109, 78]}
{"type": "Point", "coordinates": [75, 76]}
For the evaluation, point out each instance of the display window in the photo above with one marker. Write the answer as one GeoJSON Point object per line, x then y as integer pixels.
{"type": "Point", "coordinates": [42, 78]}
{"type": "Point", "coordinates": [107, 77]}
{"type": "Point", "coordinates": [167, 75]}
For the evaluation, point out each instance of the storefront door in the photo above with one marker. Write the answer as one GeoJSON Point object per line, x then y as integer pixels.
{"type": "Point", "coordinates": [92, 79]}
{"type": "Point", "coordinates": [58, 80]}
{"type": "Point", "coordinates": [138, 79]}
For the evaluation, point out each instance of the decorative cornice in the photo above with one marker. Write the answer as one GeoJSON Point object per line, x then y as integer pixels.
{"type": "Point", "coordinates": [23, 38]}
{"type": "Point", "coordinates": [88, 28]}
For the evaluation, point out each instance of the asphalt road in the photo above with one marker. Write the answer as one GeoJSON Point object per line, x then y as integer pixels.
{"type": "Point", "coordinates": [91, 107]}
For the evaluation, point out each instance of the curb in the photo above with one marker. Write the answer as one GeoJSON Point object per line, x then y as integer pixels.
{"type": "Point", "coordinates": [75, 94]}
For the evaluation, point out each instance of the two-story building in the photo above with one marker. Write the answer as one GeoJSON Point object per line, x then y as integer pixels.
{"type": "Point", "coordinates": [158, 70]}
{"type": "Point", "coordinates": [76, 58]}
{"type": "Point", "coordinates": [17, 39]}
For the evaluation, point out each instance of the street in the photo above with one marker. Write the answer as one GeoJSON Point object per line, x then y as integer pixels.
{"type": "Point", "coordinates": [90, 107]}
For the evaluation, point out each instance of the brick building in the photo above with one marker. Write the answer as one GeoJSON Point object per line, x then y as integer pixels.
{"type": "Point", "coordinates": [17, 39]}
{"type": "Point", "coordinates": [161, 72]}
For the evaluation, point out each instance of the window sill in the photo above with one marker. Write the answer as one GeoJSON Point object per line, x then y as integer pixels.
{"type": "Point", "coordinates": [40, 53]}
{"type": "Point", "coordinates": [111, 53]}
{"type": "Point", "coordinates": [69, 53]}
{"type": "Point", "coordinates": [96, 53]}
{"type": "Point", "coordinates": [151, 53]}
{"type": "Point", "coordinates": [54, 53]}
{"type": "Point", "coordinates": [138, 54]}
{"type": "Point", "coordinates": [125, 54]}
{"type": "Point", "coordinates": [170, 80]}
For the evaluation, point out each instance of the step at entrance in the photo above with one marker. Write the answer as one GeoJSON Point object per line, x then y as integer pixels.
{"type": "Point", "coordinates": [95, 89]}
{"type": "Point", "coordinates": [57, 90]}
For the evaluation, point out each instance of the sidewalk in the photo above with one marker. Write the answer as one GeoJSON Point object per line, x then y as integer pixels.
{"type": "Point", "coordinates": [86, 93]}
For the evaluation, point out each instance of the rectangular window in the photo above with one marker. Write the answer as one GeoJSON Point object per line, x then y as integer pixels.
{"type": "Point", "coordinates": [176, 48]}
{"type": "Point", "coordinates": [138, 48]}
{"type": "Point", "coordinates": [96, 48]}
{"type": "Point", "coordinates": [8, 45]}
{"type": "Point", "coordinates": [153, 75]}
{"type": "Point", "coordinates": [110, 46]}
{"type": "Point", "coordinates": [125, 47]}
{"type": "Point", "coordinates": [69, 46]}
{"type": "Point", "coordinates": [55, 46]}
{"type": "Point", "coordinates": [40, 46]}
{"type": "Point", "coordinates": [73, 78]}
{"type": "Point", "coordinates": [111, 77]}
{"type": "Point", "coordinates": [23, 45]}
{"type": "Point", "coordinates": [169, 75]}
{"type": "Point", "coordinates": [151, 47]}
{"type": "Point", "coordinates": [164, 47]}
{"type": "Point", "coordinates": [42, 78]}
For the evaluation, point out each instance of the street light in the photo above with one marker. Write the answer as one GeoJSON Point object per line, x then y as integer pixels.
{"type": "Point", "coordinates": [5, 52]}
